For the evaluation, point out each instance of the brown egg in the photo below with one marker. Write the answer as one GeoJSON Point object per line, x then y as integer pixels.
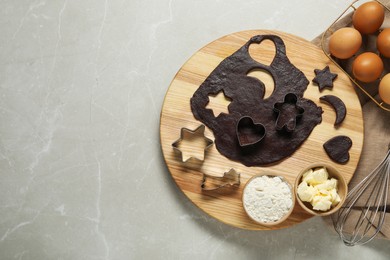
{"type": "Point", "coordinates": [368, 17]}
{"type": "Point", "coordinates": [345, 42]}
{"type": "Point", "coordinates": [367, 67]}
{"type": "Point", "coordinates": [384, 89]}
{"type": "Point", "coordinates": [383, 42]}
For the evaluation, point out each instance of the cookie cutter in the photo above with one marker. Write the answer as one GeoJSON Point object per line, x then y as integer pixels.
{"type": "Point", "coordinates": [229, 179]}
{"type": "Point", "coordinates": [288, 112]}
{"type": "Point", "coordinates": [185, 134]}
{"type": "Point", "coordinates": [248, 132]}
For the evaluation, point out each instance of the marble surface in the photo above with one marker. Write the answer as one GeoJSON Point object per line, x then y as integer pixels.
{"type": "Point", "coordinates": [81, 171]}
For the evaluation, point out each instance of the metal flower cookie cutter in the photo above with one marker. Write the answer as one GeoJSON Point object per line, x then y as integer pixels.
{"type": "Point", "coordinates": [229, 179]}
{"type": "Point", "coordinates": [192, 144]}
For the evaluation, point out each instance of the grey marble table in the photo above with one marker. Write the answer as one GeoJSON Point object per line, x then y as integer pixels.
{"type": "Point", "coordinates": [81, 170]}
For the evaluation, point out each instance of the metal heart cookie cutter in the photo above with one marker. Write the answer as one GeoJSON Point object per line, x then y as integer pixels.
{"type": "Point", "coordinates": [248, 132]}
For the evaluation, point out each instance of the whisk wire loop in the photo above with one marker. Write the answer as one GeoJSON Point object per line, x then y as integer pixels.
{"type": "Point", "coordinates": [363, 213]}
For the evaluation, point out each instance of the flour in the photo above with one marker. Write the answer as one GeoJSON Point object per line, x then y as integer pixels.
{"type": "Point", "coordinates": [267, 199]}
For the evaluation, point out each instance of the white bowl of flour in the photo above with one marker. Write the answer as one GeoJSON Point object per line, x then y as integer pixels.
{"type": "Point", "coordinates": [268, 199]}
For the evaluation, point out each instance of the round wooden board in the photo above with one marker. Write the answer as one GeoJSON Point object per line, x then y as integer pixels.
{"type": "Point", "coordinates": [225, 204]}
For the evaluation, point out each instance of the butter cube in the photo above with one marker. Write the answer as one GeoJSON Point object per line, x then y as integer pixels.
{"type": "Point", "coordinates": [317, 176]}
{"type": "Point", "coordinates": [335, 198]}
{"type": "Point", "coordinates": [306, 192]}
{"type": "Point", "coordinates": [310, 171]}
{"type": "Point", "coordinates": [327, 185]}
{"type": "Point", "coordinates": [333, 183]}
{"type": "Point", "coordinates": [321, 203]}
{"type": "Point", "coordinates": [323, 192]}
{"type": "Point", "coordinates": [320, 176]}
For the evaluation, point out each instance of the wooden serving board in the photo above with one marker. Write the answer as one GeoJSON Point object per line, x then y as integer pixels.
{"type": "Point", "coordinates": [225, 204]}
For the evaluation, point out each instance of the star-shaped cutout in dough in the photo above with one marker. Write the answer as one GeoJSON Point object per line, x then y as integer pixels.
{"type": "Point", "coordinates": [192, 143]}
{"type": "Point", "coordinates": [219, 103]}
{"type": "Point", "coordinates": [324, 78]}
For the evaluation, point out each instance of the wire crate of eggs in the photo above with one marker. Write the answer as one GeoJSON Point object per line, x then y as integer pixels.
{"type": "Point", "coordinates": [358, 42]}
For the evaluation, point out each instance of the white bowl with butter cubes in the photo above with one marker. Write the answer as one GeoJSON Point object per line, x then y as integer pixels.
{"type": "Point", "coordinates": [320, 189]}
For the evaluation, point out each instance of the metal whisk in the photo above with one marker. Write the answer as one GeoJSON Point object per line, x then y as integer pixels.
{"type": "Point", "coordinates": [363, 214]}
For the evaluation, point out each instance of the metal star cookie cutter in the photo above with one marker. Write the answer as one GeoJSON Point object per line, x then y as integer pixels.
{"type": "Point", "coordinates": [229, 179]}
{"type": "Point", "coordinates": [288, 112]}
{"type": "Point", "coordinates": [188, 134]}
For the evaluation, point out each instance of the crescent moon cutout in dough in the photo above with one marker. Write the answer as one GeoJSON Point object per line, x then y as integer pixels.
{"type": "Point", "coordinates": [338, 105]}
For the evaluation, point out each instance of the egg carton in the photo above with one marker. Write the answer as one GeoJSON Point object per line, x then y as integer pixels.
{"type": "Point", "coordinates": [345, 20]}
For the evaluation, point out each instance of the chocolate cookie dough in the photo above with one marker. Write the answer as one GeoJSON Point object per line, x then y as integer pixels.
{"type": "Point", "coordinates": [324, 78]}
{"type": "Point", "coordinates": [338, 147]}
{"type": "Point", "coordinates": [246, 94]}
{"type": "Point", "coordinates": [338, 105]}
